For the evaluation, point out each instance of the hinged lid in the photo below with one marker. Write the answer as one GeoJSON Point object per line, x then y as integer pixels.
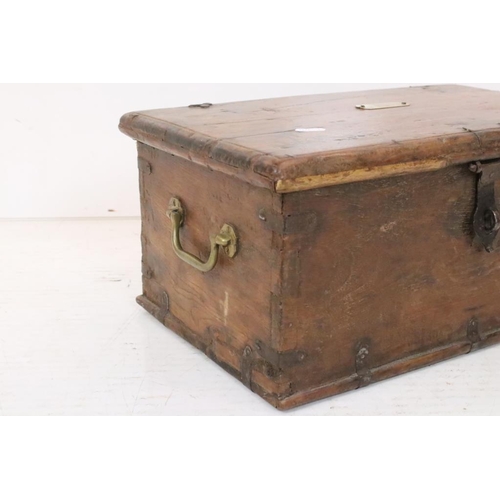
{"type": "Point", "coordinates": [300, 143]}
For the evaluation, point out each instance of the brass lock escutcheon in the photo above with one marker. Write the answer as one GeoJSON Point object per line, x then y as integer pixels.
{"type": "Point", "coordinates": [226, 239]}
{"type": "Point", "coordinates": [487, 215]}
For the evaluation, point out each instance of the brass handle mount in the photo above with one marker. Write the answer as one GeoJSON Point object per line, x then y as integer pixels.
{"type": "Point", "coordinates": [226, 239]}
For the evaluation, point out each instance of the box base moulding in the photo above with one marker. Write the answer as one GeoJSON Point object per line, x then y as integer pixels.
{"type": "Point", "coordinates": [362, 377]}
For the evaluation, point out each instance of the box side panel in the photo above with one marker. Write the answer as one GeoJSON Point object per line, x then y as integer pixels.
{"type": "Point", "coordinates": [388, 271]}
{"type": "Point", "coordinates": [225, 312]}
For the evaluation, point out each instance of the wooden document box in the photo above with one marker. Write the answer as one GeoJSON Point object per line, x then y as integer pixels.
{"type": "Point", "coordinates": [314, 245]}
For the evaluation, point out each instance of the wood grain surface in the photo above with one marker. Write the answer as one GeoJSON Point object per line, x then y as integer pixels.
{"type": "Point", "coordinates": [229, 309]}
{"type": "Point", "coordinates": [259, 141]}
{"type": "Point", "coordinates": [389, 265]}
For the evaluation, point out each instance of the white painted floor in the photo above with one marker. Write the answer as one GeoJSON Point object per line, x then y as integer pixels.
{"type": "Point", "coordinates": [73, 341]}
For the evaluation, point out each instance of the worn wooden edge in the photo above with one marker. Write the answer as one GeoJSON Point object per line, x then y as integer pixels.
{"type": "Point", "coordinates": [453, 148]}
{"type": "Point", "coordinates": [367, 174]}
{"type": "Point", "coordinates": [314, 171]}
{"type": "Point", "coordinates": [385, 161]}
{"type": "Point", "coordinates": [198, 148]}
{"type": "Point", "coordinates": [337, 387]}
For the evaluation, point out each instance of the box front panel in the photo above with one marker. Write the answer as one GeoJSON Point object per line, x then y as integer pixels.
{"type": "Point", "coordinates": [388, 270]}
{"type": "Point", "coordinates": [227, 309]}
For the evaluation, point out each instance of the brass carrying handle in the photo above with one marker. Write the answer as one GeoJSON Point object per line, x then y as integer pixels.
{"type": "Point", "coordinates": [226, 239]}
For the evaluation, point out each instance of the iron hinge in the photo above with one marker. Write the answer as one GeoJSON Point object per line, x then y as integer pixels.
{"type": "Point", "coordinates": [487, 215]}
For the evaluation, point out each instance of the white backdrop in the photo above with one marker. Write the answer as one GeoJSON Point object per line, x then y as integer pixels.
{"type": "Point", "coordinates": [62, 155]}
